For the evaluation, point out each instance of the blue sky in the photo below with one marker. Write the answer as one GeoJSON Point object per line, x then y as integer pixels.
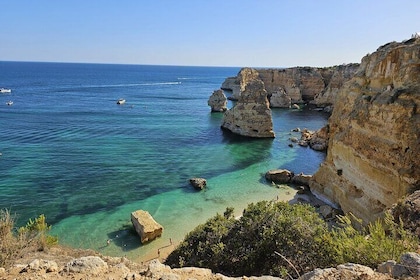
{"type": "Point", "coordinates": [258, 33]}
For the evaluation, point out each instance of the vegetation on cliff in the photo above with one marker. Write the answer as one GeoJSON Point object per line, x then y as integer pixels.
{"type": "Point", "coordinates": [14, 243]}
{"type": "Point", "coordinates": [281, 239]}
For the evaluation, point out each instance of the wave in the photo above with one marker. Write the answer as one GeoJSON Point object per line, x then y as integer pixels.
{"type": "Point", "coordinates": [134, 85]}
{"type": "Point", "coordinates": [81, 87]}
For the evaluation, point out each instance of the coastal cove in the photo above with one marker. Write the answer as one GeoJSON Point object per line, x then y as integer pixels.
{"type": "Point", "coordinates": [71, 153]}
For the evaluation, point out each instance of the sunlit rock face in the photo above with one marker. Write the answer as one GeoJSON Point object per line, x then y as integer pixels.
{"type": "Point", "coordinates": [294, 85]}
{"type": "Point", "coordinates": [251, 116]}
{"type": "Point", "coordinates": [373, 150]}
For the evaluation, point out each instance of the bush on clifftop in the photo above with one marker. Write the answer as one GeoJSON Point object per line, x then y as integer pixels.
{"type": "Point", "coordinates": [252, 244]}
{"type": "Point", "coordinates": [281, 239]}
{"type": "Point", "coordinates": [14, 243]}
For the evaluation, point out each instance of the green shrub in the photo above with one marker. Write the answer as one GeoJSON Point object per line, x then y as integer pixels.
{"type": "Point", "coordinates": [37, 231]}
{"type": "Point", "coordinates": [204, 245]}
{"type": "Point", "coordinates": [287, 240]}
{"type": "Point", "coordinates": [14, 244]}
{"type": "Point", "coordinates": [248, 246]}
{"type": "Point", "coordinates": [380, 241]}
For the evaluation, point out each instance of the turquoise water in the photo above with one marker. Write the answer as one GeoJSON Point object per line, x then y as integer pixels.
{"type": "Point", "coordinates": [70, 152]}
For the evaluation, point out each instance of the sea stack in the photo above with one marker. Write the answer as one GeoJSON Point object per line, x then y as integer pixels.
{"type": "Point", "coordinates": [373, 150]}
{"type": "Point", "coordinates": [251, 116]}
{"type": "Point", "coordinates": [218, 101]}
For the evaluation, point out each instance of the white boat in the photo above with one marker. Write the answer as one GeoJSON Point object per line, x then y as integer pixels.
{"type": "Point", "coordinates": [120, 101]}
{"type": "Point", "coordinates": [5, 90]}
{"type": "Point", "coordinates": [9, 103]}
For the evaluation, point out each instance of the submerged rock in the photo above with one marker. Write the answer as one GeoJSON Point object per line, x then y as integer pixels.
{"type": "Point", "coordinates": [198, 183]}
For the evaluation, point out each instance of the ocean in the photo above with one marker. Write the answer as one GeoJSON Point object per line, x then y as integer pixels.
{"type": "Point", "coordinates": [70, 152]}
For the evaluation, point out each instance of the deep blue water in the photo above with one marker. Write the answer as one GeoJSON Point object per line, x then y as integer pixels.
{"type": "Point", "coordinates": [70, 152]}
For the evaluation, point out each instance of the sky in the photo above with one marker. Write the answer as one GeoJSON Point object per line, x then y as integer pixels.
{"type": "Point", "coordinates": [254, 33]}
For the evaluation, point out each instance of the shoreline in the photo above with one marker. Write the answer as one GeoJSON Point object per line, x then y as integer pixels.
{"type": "Point", "coordinates": [163, 252]}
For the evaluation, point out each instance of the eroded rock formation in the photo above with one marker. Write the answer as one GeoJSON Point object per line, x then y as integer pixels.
{"type": "Point", "coordinates": [146, 227]}
{"type": "Point", "coordinates": [335, 77]}
{"type": "Point", "coordinates": [198, 183]}
{"type": "Point", "coordinates": [251, 116]}
{"type": "Point", "coordinates": [373, 150]}
{"type": "Point", "coordinates": [294, 85]}
{"type": "Point", "coordinates": [218, 101]}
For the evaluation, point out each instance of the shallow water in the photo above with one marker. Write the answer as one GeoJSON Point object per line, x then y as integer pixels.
{"type": "Point", "coordinates": [70, 152]}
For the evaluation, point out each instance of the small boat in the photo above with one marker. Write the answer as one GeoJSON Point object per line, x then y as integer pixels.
{"type": "Point", "coordinates": [5, 90]}
{"type": "Point", "coordinates": [120, 101]}
{"type": "Point", "coordinates": [9, 103]}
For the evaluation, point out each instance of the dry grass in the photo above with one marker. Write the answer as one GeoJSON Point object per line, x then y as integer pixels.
{"type": "Point", "coordinates": [15, 243]}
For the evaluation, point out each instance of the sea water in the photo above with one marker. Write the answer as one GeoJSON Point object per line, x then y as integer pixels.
{"type": "Point", "coordinates": [70, 152]}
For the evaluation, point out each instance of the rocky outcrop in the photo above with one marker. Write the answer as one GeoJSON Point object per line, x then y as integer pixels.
{"type": "Point", "coordinates": [335, 77]}
{"type": "Point", "coordinates": [284, 176]}
{"type": "Point", "coordinates": [373, 150]}
{"type": "Point", "coordinates": [317, 140]}
{"type": "Point", "coordinates": [146, 227]}
{"type": "Point", "coordinates": [279, 176]}
{"type": "Point", "coordinates": [251, 116]}
{"type": "Point", "coordinates": [231, 84]}
{"type": "Point", "coordinates": [90, 264]}
{"type": "Point", "coordinates": [408, 211]}
{"type": "Point", "coordinates": [280, 99]}
{"type": "Point", "coordinates": [345, 271]}
{"type": "Point", "coordinates": [409, 266]}
{"type": "Point", "coordinates": [218, 101]}
{"type": "Point", "coordinates": [198, 183]}
{"type": "Point", "coordinates": [294, 85]}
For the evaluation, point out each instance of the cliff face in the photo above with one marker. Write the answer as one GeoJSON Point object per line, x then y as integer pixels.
{"type": "Point", "coordinates": [251, 116]}
{"type": "Point", "coordinates": [294, 85]}
{"type": "Point", "coordinates": [373, 151]}
{"type": "Point", "coordinates": [334, 78]}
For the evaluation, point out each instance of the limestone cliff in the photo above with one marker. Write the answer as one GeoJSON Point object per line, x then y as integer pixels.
{"type": "Point", "coordinates": [294, 85]}
{"type": "Point", "coordinates": [251, 116]}
{"type": "Point", "coordinates": [373, 151]}
{"type": "Point", "coordinates": [334, 78]}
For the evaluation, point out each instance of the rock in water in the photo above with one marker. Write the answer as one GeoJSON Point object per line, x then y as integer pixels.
{"type": "Point", "coordinates": [251, 116]}
{"type": "Point", "coordinates": [198, 183]}
{"type": "Point", "coordinates": [279, 176]}
{"type": "Point", "coordinates": [218, 101]}
{"type": "Point", "coordinates": [146, 227]}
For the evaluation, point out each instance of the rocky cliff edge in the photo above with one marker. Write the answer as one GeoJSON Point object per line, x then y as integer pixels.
{"type": "Point", "coordinates": [373, 151]}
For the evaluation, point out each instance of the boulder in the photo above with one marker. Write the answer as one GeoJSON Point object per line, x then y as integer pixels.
{"type": "Point", "coordinates": [279, 176]}
{"type": "Point", "coordinates": [411, 261]}
{"type": "Point", "coordinates": [89, 265]}
{"type": "Point", "coordinates": [198, 183]}
{"type": "Point", "coordinates": [146, 227]}
{"type": "Point", "coordinates": [301, 179]}
{"type": "Point", "coordinates": [41, 265]}
{"type": "Point", "coordinates": [409, 266]}
{"type": "Point", "coordinates": [317, 140]}
{"type": "Point", "coordinates": [344, 271]}
{"type": "Point", "coordinates": [408, 211]}
{"type": "Point", "coordinates": [218, 101]}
